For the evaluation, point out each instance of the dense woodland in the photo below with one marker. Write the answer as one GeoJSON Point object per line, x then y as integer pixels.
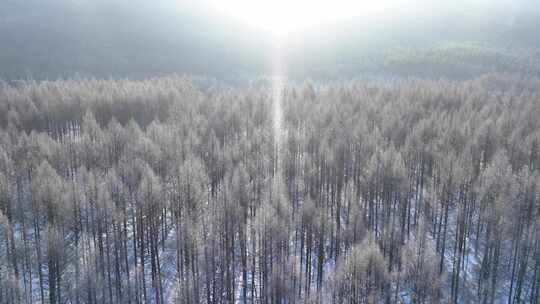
{"type": "Point", "coordinates": [415, 191]}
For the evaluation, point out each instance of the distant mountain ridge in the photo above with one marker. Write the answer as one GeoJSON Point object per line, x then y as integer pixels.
{"type": "Point", "coordinates": [136, 39]}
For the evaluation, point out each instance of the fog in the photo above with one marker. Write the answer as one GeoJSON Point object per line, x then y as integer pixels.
{"type": "Point", "coordinates": [119, 38]}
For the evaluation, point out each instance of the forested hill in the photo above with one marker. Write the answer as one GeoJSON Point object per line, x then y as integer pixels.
{"type": "Point", "coordinates": [119, 38]}
{"type": "Point", "coordinates": [47, 40]}
{"type": "Point", "coordinates": [155, 192]}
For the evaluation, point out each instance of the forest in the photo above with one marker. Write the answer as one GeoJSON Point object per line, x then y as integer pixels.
{"type": "Point", "coordinates": [155, 191]}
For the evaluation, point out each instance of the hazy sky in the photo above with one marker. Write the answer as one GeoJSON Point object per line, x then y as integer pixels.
{"type": "Point", "coordinates": [283, 16]}
{"type": "Point", "coordinates": [288, 16]}
{"type": "Point", "coordinates": [48, 38]}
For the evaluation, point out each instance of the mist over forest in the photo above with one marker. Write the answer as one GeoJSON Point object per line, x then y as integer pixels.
{"type": "Point", "coordinates": [343, 152]}
{"type": "Point", "coordinates": [137, 39]}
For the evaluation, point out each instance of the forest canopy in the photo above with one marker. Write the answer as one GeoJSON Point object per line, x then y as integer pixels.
{"type": "Point", "coordinates": [155, 191]}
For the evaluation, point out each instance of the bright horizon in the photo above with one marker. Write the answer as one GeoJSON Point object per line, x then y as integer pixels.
{"type": "Point", "coordinates": [282, 17]}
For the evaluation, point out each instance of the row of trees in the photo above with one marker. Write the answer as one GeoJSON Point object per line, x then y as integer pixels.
{"type": "Point", "coordinates": [154, 191]}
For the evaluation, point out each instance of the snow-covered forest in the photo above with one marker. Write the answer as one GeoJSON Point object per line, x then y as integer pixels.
{"type": "Point", "coordinates": [154, 191]}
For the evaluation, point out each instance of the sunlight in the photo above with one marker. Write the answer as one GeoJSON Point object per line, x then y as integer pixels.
{"type": "Point", "coordinates": [281, 17]}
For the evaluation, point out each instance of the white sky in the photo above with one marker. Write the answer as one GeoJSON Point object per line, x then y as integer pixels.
{"type": "Point", "coordinates": [282, 17]}
{"type": "Point", "coordinates": [286, 16]}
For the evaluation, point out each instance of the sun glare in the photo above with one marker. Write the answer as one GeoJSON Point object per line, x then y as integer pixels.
{"type": "Point", "coordinates": [282, 17]}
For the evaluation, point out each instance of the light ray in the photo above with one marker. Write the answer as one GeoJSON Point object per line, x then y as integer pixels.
{"type": "Point", "coordinates": [278, 81]}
